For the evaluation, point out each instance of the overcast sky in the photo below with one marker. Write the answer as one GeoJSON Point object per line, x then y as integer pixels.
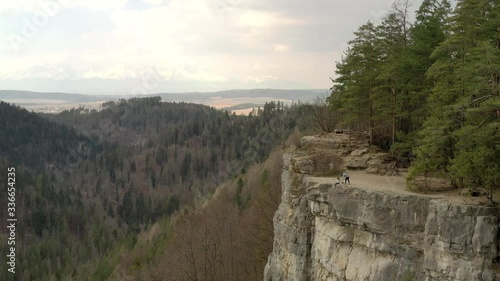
{"type": "Point", "coordinates": [111, 46]}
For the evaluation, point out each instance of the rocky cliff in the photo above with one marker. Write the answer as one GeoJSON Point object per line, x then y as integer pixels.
{"type": "Point", "coordinates": [353, 233]}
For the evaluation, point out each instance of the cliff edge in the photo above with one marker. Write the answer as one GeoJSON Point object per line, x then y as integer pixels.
{"type": "Point", "coordinates": [356, 232]}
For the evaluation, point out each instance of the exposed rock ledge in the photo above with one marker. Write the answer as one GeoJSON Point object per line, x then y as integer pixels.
{"type": "Point", "coordinates": [352, 233]}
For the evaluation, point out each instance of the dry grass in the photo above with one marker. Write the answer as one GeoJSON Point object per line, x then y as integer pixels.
{"type": "Point", "coordinates": [433, 184]}
{"type": "Point", "coordinates": [293, 140]}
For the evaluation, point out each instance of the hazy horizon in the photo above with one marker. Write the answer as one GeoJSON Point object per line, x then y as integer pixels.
{"type": "Point", "coordinates": [154, 46]}
{"type": "Point", "coordinates": [160, 93]}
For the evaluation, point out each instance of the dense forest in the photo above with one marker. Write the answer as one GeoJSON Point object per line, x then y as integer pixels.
{"type": "Point", "coordinates": [429, 90]}
{"type": "Point", "coordinates": [153, 190]}
{"type": "Point", "coordinates": [91, 184]}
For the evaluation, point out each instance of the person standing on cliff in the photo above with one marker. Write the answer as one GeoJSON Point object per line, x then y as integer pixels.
{"type": "Point", "coordinates": [346, 178]}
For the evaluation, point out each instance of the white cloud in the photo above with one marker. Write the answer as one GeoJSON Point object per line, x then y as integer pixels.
{"type": "Point", "coordinates": [200, 74]}
{"type": "Point", "coordinates": [260, 79]}
{"type": "Point", "coordinates": [281, 47]}
{"type": "Point", "coordinates": [264, 19]}
{"type": "Point", "coordinates": [256, 19]}
{"type": "Point", "coordinates": [153, 2]}
{"type": "Point", "coordinates": [32, 66]}
{"type": "Point", "coordinates": [208, 41]}
{"type": "Point", "coordinates": [97, 5]}
{"type": "Point", "coordinates": [13, 8]}
{"type": "Point", "coordinates": [114, 72]}
{"type": "Point", "coordinates": [186, 72]}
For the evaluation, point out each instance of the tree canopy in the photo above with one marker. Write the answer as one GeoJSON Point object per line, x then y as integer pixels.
{"type": "Point", "coordinates": [428, 90]}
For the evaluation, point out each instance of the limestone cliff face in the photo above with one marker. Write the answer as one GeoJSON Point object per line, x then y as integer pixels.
{"type": "Point", "coordinates": [349, 233]}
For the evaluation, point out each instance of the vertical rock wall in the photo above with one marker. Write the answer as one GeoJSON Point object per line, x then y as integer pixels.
{"type": "Point", "coordinates": [327, 233]}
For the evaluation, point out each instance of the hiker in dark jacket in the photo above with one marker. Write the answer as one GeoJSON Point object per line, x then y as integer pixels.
{"type": "Point", "coordinates": [346, 178]}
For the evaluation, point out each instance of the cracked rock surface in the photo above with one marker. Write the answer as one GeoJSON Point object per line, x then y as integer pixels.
{"type": "Point", "coordinates": [352, 233]}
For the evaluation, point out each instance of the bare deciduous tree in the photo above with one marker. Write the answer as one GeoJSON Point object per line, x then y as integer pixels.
{"type": "Point", "coordinates": [324, 116]}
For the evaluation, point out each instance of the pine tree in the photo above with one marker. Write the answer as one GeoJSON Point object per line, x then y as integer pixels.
{"type": "Point", "coordinates": [393, 36]}
{"type": "Point", "coordinates": [355, 85]}
{"type": "Point", "coordinates": [428, 31]}
{"type": "Point", "coordinates": [460, 137]}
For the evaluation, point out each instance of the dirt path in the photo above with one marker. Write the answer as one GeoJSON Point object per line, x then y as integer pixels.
{"type": "Point", "coordinates": [397, 184]}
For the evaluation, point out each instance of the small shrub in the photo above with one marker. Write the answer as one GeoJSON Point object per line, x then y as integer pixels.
{"type": "Point", "coordinates": [296, 181]}
{"type": "Point", "coordinates": [409, 275]}
{"type": "Point", "coordinates": [327, 164]}
{"type": "Point", "coordinates": [294, 139]}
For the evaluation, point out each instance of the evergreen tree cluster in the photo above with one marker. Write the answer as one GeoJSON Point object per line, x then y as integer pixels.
{"type": "Point", "coordinates": [429, 90]}
{"type": "Point", "coordinates": [32, 141]}
{"type": "Point", "coordinates": [88, 182]}
{"type": "Point", "coordinates": [170, 124]}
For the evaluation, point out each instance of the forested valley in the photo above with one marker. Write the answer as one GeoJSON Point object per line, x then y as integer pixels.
{"type": "Point", "coordinates": [101, 194]}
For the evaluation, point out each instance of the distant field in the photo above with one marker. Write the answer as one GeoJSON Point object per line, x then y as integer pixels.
{"type": "Point", "coordinates": [242, 106]}
{"type": "Point", "coordinates": [57, 108]}
{"type": "Point", "coordinates": [220, 102]}
{"type": "Point", "coordinates": [22, 101]}
{"type": "Point", "coordinates": [237, 101]}
{"type": "Point", "coordinates": [242, 111]}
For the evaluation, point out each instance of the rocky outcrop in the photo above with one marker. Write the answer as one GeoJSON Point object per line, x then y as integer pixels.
{"type": "Point", "coordinates": [355, 151]}
{"type": "Point", "coordinates": [350, 233]}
